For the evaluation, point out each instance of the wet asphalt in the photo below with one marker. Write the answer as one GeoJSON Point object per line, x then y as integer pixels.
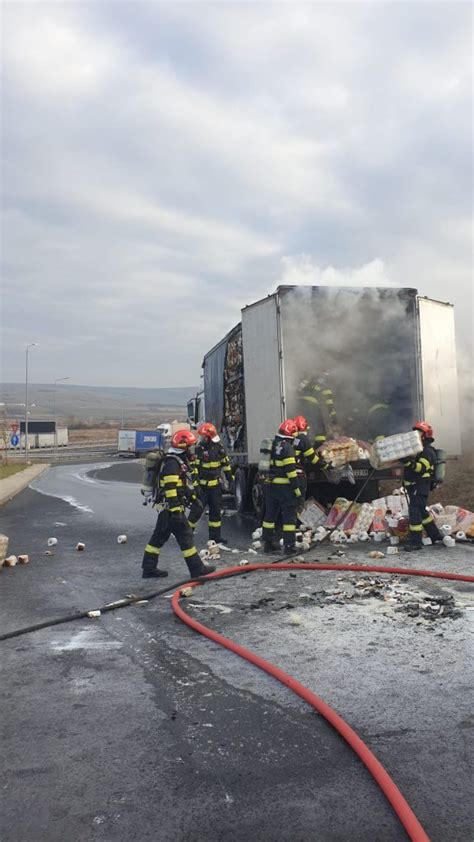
{"type": "Point", "coordinates": [131, 726]}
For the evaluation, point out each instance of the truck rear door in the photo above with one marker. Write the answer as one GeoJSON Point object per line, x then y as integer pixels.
{"type": "Point", "coordinates": [438, 372]}
{"type": "Point", "coordinates": [126, 441]}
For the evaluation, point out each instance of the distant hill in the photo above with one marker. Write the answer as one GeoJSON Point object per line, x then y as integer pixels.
{"type": "Point", "coordinates": [96, 403]}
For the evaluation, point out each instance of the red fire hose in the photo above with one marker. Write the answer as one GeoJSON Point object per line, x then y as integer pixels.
{"type": "Point", "coordinates": [404, 812]}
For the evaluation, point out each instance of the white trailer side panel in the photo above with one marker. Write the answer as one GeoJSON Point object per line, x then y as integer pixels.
{"type": "Point", "coordinates": [260, 333]}
{"type": "Point", "coordinates": [439, 378]}
{"type": "Point", "coordinates": [62, 436]}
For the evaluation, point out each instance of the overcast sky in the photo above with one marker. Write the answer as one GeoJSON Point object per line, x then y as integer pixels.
{"type": "Point", "coordinates": [167, 163]}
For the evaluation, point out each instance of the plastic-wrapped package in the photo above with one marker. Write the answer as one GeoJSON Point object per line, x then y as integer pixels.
{"type": "Point", "coordinates": [464, 518]}
{"type": "Point", "coordinates": [349, 523]}
{"type": "Point", "coordinates": [391, 449]}
{"type": "Point", "coordinates": [365, 517]}
{"type": "Point", "coordinates": [3, 549]}
{"type": "Point", "coordinates": [339, 506]}
{"type": "Point", "coordinates": [313, 514]}
{"type": "Point", "coordinates": [444, 519]}
{"type": "Point", "coordinates": [340, 451]}
{"type": "Point", "coordinates": [379, 521]}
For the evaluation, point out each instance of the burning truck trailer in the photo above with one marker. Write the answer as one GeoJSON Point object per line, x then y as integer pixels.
{"type": "Point", "coordinates": [357, 362]}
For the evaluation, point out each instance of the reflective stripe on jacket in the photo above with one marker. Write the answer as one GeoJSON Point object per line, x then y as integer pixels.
{"type": "Point", "coordinates": [210, 460]}
{"type": "Point", "coordinates": [283, 463]}
{"type": "Point", "coordinates": [305, 453]}
{"type": "Point", "coordinates": [420, 469]}
{"type": "Point", "coordinates": [175, 483]}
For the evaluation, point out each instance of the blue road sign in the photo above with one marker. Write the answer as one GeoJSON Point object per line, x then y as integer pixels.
{"type": "Point", "coordinates": [14, 441]}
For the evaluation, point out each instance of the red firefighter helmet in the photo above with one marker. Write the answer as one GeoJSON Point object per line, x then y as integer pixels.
{"type": "Point", "coordinates": [425, 429]}
{"type": "Point", "coordinates": [301, 423]}
{"type": "Point", "coordinates": [183, 439]}
{"type": "Point", "coordinates": [288, 428]}
{"type": "Point", "coordinates": [207, 431]}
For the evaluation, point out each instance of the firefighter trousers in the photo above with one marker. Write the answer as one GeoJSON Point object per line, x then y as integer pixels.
{"type": "Point", "coordinates": [211, 497]}
{"type": "Point", "coordinates": [280, 498]}
{"type": "Point", "coordinates": [419, 516]}
{"type": "Point", "coordinates": [167, 524]}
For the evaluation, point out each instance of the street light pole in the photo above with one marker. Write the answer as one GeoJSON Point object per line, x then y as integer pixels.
{"type": "Point", "coordinates": [31, 345]}
{"type": "Point", "coordinates": [58, 380]}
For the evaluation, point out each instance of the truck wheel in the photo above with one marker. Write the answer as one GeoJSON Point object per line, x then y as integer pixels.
{"type": "Point", "coordinates": [258, 498]}
{"type": "Point", "coordinates": [240, 490]}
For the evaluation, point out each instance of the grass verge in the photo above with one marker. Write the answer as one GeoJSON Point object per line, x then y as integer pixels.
{"type": "Point", "coordinates": [9, 470]}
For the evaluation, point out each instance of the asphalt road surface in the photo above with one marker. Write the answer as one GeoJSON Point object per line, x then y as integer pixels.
{"type": "Point", "coordinates": [132, 727]}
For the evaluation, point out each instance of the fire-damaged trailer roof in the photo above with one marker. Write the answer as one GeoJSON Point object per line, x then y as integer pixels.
{"type": "Point", "coordinates": [402, 292]}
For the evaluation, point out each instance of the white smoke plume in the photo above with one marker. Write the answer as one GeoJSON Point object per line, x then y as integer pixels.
{"type": "Point", "coordinates": [360, 343]}
{"type": "Point", "coordinates": [300, 269]}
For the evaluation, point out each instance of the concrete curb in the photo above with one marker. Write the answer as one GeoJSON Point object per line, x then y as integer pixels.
{"type": "Point", "coordinates": [11, 486]}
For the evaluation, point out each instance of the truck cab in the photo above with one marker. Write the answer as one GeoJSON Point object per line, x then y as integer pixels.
{"type": "Point", "coordinates": [196, 410]}
{"type": "Point", "coordinates": [168, 429]}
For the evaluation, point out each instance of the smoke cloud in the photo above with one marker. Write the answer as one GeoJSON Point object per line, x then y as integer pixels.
{"type": "Point", "coordinates": [300, 269]}
{"type": "Point", "coordinates": [361, 344]}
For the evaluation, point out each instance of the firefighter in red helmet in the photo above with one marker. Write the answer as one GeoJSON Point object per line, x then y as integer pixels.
{"type": "Point", "coordinates": [210, 460]}
{"type": "Point", "coordinates": [417, 480]}
{"type": "Point", "coordinates": [282, 490]}
{"type": "Point", "coordinates": [306, 456]}
{"type": "Point", "coordinates": [174, 493]}
{"type": "Point", "coordinates": [305, 453]}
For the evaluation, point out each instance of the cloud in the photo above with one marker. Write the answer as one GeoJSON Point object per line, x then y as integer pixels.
{"type": "Point", "coordinates": [165, 167]}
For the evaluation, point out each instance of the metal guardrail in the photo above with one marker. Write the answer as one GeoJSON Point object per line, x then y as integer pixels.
{"type": "Point", "coordinates": [63, 454]}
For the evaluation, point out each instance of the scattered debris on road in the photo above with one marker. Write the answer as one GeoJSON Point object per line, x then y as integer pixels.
{"type": "Point", "coordinates": [395, 598]}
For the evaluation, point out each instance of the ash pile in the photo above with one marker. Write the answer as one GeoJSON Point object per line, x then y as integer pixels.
{"type": "Point", "coordinates": [391, 597]}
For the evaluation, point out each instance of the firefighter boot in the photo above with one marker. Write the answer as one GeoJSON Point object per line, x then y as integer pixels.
{"type": "Point", "coordinates": [150, 567]}
{"type": "Point", "coordinates": [270, 547]}
{"type": "Point", "coordinates": [432, 531]}
{"type": "Point", "coordinates": [414, 544]}
{"type": "Point", "coordinates": [197, 568]}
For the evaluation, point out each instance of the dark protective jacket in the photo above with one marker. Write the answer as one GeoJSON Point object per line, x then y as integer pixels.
{"type": "Point", "coordinates": [210, 460]}
{"type": "Point", "coordinates": [318, 397]}
{"type": "Point", "coordinates": [419, 469]}
{"type": "Point", "coordinates": [306, 456]}
{"type": "Point", "coordinates": [283, 463]}
{"type": "Point", "coordinates": [175, 483]}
